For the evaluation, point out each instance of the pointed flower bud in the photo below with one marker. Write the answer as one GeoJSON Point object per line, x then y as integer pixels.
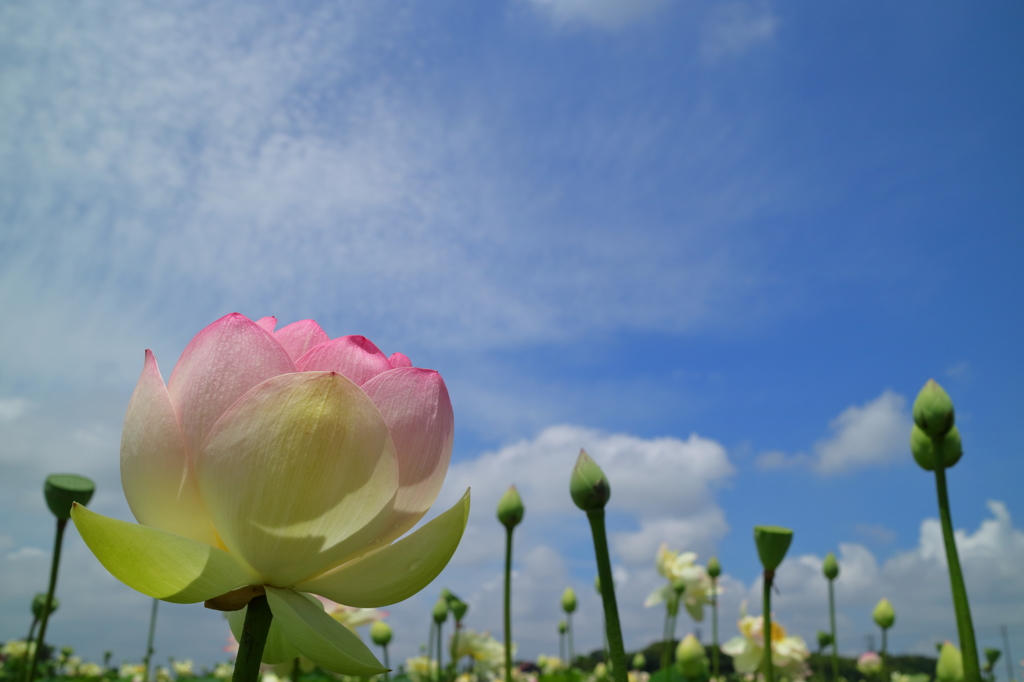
{"type": "Point", "coordinates": [992, 656]}
{"type": "Point", "coordinates": [510, 508]}
{"type": "Point", "coordinates": [714, 568]}
{"type": "Point", "coordinates": [39, 601]}
{"type": "Point", "coordinates": [933, 410]}
{"type": "Point", "coordinates": [441, 610]}
{"type": "Point", "coordinates": [380, 632]}
{"type": "Point", "coordinates": [884, 614]}
{"type": "Point", "coordinates": [562, 627]}
{"type": "Point", "coordinates": [830, 567]}
{"type": "Point", "coordinates": [589, 487]}
{"type": "Point", "coordinates": [639, 661]}
{"type": "Point", "coordinates": [691, 658]}
{"type": "Point", "coordinates": [772, 544]}
{"type": "Point", "coordinates": [950, 667]}
{"type": "Point", "coordinates": [63, 490]}
{"type": "Point", "coordinates": [824, 639]}
{"type": "Point", "coordinates": [569, 600]}
{"type": "Point", "coordinates": [458, 609]}
{"type": "Point", "coordinates": [923, 448]}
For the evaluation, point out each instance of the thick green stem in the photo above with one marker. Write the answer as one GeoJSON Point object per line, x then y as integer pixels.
{"type": "Point", "coordinates": [254, 639]}
{"type": "Point", "coordinates": [296, 670]}
{"type": "Point", "coordinates": [964, 626]}
{"type": "Point", "coordinates": [149, 641]}
{"type": "Point", "coordinates": [430, 646]}
{"type": "Point", "coordinates": [769, 670]}
{"type": "Point", "coordinates": [440, 647]}
{"type": "Point", "coordinates": [832, 621]}
{"type": "Point", "coordinates": [885, 664]}
{"type": "Point", "coordinates": [714, 626]}
{"type": "Point", "coordinates": [453, 652]}
{"type": "Point", "coordinates": [28, 649]}
{"type": "Point", "coordinates": [568, 631]}
{"type": "Point", "coordinates": [611, 610]}
{"type": "Point", "coordinates": [508, 604]}
{"type": "Point", "coordinates": [54, 565]}
{"type": "Point", "coordinates": [561, 648]}
{"type": "Point", "coordinates": [387, 673]}
{"type": "Point", "coordinates": [664, 639]}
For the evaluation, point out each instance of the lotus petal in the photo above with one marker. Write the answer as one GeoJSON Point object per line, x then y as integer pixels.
{"type": "Point", "coordinates": [299, 337]}
{"type": "Point", "coordinates": [354, 356]}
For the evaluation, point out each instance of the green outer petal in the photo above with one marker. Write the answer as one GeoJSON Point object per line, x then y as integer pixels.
{"type": "Point", "coordinates": [319, 637]}
{"type": "Point", "coordinates": [158, 563]}
{"type": "Point", "coordinates": [397, 571]}
{"type": "Point", "coordinates": [278, 649]}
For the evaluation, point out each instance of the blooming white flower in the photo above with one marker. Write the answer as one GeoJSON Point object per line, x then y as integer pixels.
{"type": "Point", "coordinates": [681, 568]}
{"type": "Point", "coordinates": [789, 654]}
{"type": "Point", "coordinates": [421, 668]}
{"type": "Point", "coordinates": [183, 668]}
{"type": "Point", "coordinates": [90, 670]}
{"type": "Point", "coordinates": [224, 671]}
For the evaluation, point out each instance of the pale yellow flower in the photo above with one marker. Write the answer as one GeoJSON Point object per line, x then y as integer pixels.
{"type": "Point", "coordinates": [421, 668]}
{"type": "Point", "coordinates": [183, 668]}
{"type": "Point", "coordinates": [224, 671]}
{"type": "Point", "coordinates": [789, 654]}
{"type": "Point", "coordinates": [682, 569]}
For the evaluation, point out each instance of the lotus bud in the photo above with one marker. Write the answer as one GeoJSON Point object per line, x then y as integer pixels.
{"type": "Point", "coordinates": [824, 639]}
{"type": "Point", "coordinates": [380, 633]}
{"type": "Point", "coordinates": [510, 508]}
{"type": "Point", "coordinates": [884, 615]}
{"type": "Point", "coordinates": [714, 568]}
{"type": "Point", "coordinates": [569, 600]}
{"type": "Point", "coordinates": [869, 663]}
{"type": "Point", "coordinates": [441, 611]}
{"type": "Point", "coordinates": [562, 627]}
{"type": "Point", "coordinates": [950, 667]}
{"type": "Point", "coordinates": [63, 490]}
{"type": "Point", "coordinates": [830, 567]}
{"type": "Point", "coordinates": [690, 657]}
{"type": "Point", "coordinates": [600, 671]}
{"type": "Point", "coordinates": [772, 544]}
{"type": "Point", "coordinates": [458, 609]}
{"type": "Point", "coordinates": [933, 410]}
{"type": "Point", "coordinates": [588, 486]}
{"type": "Point", "coordinates": [639, 661]}
{"type": "Point", "coordinates": [923, 448]}
{"type": "Point", "coordinates": [39, 601]}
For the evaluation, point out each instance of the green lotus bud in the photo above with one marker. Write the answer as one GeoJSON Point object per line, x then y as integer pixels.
{"type": "Point", "coordinates": [923, 448]}
{"type": "Point", "coordinates": [714, 568]}
{"type": "Point", "coordinates": [458, 609]}
{"type": "Point", "coordinates": [562, 627]}
{"type": "Point", "coordinates": [824, 639]}
{"type": "Point", "coordinates": [772, 544]}
{"type": "Point", "coordinates": [691, 659]}
{"type": "Point", "coordinates": [639, 661]}
{"type": "Point", "coordinates": [601, 671]}
{"type": "Point", "coordinates": [441, 611]}
{"type": "Point", "coordinates": [933, 410]}
{"type": "Point", "coordinates": [380, 633]}
{"type": "Point", "coordinates": [510, 508]}
{"type": "Point", "coordinates": [39, 601]}
{"type": "Point", "coordinates": [63, 490]}
{"type": "Point", "coordinates": [830, 567]}
{"type": "Point", "coordinates": [950, 667]}
{"type": "Point", "coordinates": [883, 614]}
{"type": "Point", "coordinates": [589, 487]}
{"type": "Point", "coordinates": [569, 600]}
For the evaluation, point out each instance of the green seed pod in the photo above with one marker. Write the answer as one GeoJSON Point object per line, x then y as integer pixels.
{"type": "Point", "coordinates": [992, 656]}
{"type": "Point", "coordinates": [380, 633]}
{"type": "Point", "coordinates": [63, 490]}
{"type": "Point", "coordinates": [562, 627]}
{"type": "Point", "coordinates": [830, 567]}
{"type": "Point", "coordinates": [588, 486]}
{"type": "Point", "coordinates": [639, 661]}
{"type": "Point", "coordinates": [569, 600]}
{"type": "Point", "coordinates": [458, 609]}
{"type": "Point", "coordinates": [39, 601]}
{"type": "Point", "coordinates": [824, 639]}
{"type": "Point", "coordinates": [923, 448]}
{"type": "Point", "coordinates": [441, 611]}
{"type": "Point", "coordinates": [933, 410]}
{"type": "Point", "coordinates": [691, 659]}
{"type": "Point", "coordinates": [772, 544]}
{"type": "Point", "coordinates": [510, 508]}
{"type": "Point", "coordinates": [714, 568]}
{"type": "Point", "coordinates": [950, 667]}
{"type": "Point", "coordinates": [884, 614]}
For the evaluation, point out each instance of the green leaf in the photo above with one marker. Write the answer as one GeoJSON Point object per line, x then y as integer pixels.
{"type": "Point", "coordinates": [399, 570]}
{"type": "Point", "coordinates": [158, 563]}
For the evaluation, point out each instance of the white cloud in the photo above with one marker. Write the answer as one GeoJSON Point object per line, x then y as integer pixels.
{"type": "Point", "coordinates": [12, 408]}
{"type": "Point", "coordinates": [604, 14]}
{"type": "Point", "coordinates": [872, 434]}
{"type": "Point", "coordinates": [733, 28]}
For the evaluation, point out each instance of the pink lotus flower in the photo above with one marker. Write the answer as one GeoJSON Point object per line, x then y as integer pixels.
{"type": "Point", "coordinates": [284, 463]}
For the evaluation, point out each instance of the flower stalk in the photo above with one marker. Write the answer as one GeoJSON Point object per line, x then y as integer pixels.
{"type": "Point", "coordinates": [45, 619]}
{"type": "Point", "coordinates": [613, 630]}
{"type": "Point", "coordinates": [714, 570]}
{"type": "Point", "coordinates": [830, 567]}
{"type": "Point", "coordinates": [510, 514]}
{"type": "Point", "coordinates": [149, 640]}
{"type": "Point", "coordinates": [254, 638]}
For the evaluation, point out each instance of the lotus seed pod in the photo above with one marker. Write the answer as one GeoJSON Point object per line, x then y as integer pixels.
{"type": "Point", "coordinates": [933, 410]}
{"type": "Point", "coordinates": [588, 486]}
{"type": "Point", "coordinates": [950, 667]}
{"type": "Point", "coordinates": [772, 544]}
{"type": "Point", "coordinates": [830, 567]}
{"type": "Point", "coordinates": [639, 661]}
{"type": "Point", "coordinates": [714, 568]}
{"type": "Point", "coordinates": [992, 656]}
{"type": "Point", "coordinates": [569, 600]}
{"type": "Point", "coordinates": [458, 609]}
{"type": "Point", "coordinates": [884, 614]}
{"type": "Point", "coordinates": [39, 601]}
{"type": "Point", "coordinates": [923, 448]}
{"type": "Point", "coordinates": [510, 508]}
{"type": "Point", "coordinates": [562, 627]}
{"type": "Point", "coordinates": [441, 611]}
{"type": "Point", "coordinates": [691, 659]}
{"type": "Point", "coordinates": [824, 639]}
{"type": "Point", "coordinates": [380, 633]}
{"type": "Point", "coordinates": [63, 490]}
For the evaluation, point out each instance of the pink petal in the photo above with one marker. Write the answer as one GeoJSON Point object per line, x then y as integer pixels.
{"type": "Point", "coordinates": [299, 337]}
{"type": "Point", "coordinates": [418, 413]}
{"type": "Point", "coordinates": [267, 323]}
{"type": "Point", "coordinates": [352, 356]}
{"type": "Point", "coordinates": [399, 360]}
{"type": "Point", "coordinates": [217, 367]}
{"type": "Point", "coordinates": [156, 474]}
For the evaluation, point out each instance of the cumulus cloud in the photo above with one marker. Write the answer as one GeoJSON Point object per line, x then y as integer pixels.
{"type": "Point", "coordinates": [604, 14]}
{"type": "Point", "coordinates": [733, 28]}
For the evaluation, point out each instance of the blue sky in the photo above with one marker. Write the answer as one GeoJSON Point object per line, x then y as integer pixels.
{"type": "Point", "coordinates": [728, 241]}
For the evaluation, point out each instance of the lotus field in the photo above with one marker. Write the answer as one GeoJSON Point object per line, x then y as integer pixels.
{"type": "Point", "coordinates": [276, 477]}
